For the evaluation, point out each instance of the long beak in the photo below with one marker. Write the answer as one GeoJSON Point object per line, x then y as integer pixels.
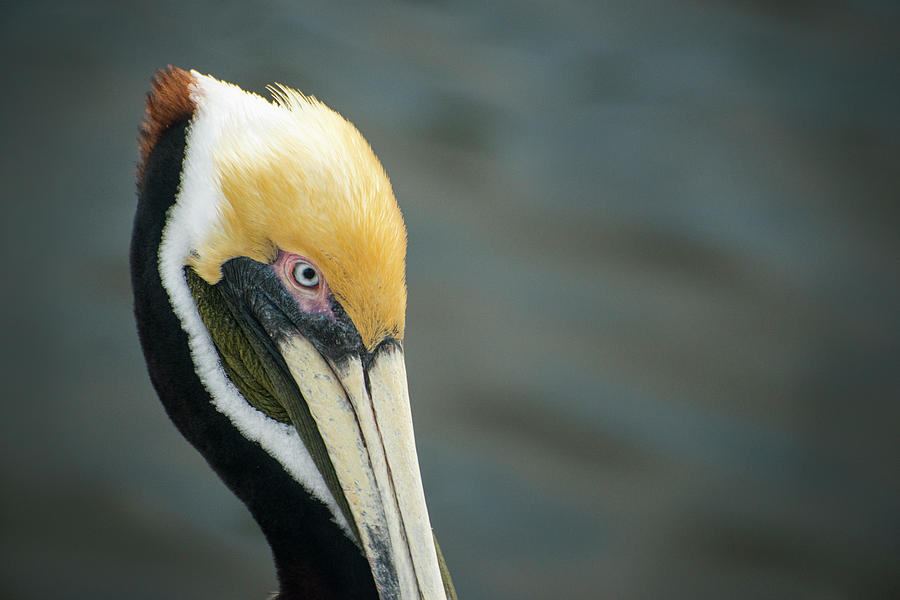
{"type": "Point", "coordinates": [355, 423]}
{"type": "Point", "coordinates": [365, 424]}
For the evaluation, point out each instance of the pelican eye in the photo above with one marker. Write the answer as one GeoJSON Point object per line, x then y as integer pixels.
{"type": "Point", "coordinates": [305, 275]}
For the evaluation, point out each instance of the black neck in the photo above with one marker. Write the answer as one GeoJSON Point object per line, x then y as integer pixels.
{"type": "Point", "coordinates": [313, 557]}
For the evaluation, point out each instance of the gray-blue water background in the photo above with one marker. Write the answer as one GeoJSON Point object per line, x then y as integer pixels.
{"type": "Point", "coordinates": [653, 331]}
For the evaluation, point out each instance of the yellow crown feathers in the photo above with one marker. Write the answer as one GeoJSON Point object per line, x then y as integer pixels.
{"type": "Point", "coordinates": [307, 182]}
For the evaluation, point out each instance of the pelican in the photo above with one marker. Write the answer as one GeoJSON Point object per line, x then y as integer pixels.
{"type": "Point", "coordinates": [268, 267]}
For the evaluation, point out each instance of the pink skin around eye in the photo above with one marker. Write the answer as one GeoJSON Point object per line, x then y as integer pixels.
{"type": "Point", "coordinates": [310, 300]}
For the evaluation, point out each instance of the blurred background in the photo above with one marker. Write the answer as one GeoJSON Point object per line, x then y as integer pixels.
{"type": "Point", "coordinates": [653, 332]}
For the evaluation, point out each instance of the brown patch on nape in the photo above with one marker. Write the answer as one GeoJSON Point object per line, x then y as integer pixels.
{"type": "Point", "coordinates": [168, 102]}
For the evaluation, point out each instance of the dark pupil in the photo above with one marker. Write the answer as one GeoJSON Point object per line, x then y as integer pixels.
{"type": "Point", "coordinates": [308, 273]}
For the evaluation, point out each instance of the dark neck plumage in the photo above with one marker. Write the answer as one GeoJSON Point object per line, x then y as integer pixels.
{"type": "Point", "coordinates": [313, 557]}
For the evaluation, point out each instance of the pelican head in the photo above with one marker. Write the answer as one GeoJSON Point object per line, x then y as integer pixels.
{"type": "Point", "coordinates": [268, 266]}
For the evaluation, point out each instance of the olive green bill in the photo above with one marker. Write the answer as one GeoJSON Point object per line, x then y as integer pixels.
{"type": "Point", "coordinates": [356, 423]}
